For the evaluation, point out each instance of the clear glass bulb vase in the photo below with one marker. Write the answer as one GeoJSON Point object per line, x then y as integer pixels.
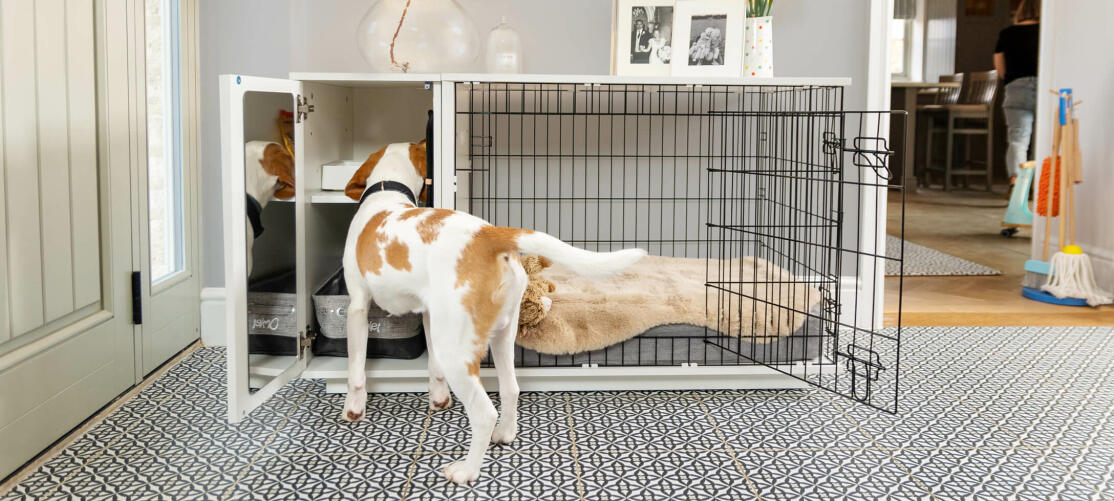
{"type": "Point", "coordinates": [418, 36]}
{"type": "Point", "coordinates": [504, 49]}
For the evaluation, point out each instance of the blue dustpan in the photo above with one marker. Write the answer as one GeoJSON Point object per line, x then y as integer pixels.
{"type": "Point", "coordinates": [1018, 214]}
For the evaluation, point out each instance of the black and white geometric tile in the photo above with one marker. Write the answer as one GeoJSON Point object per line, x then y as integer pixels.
{"type": "Point", "coordinates": [984, 413]}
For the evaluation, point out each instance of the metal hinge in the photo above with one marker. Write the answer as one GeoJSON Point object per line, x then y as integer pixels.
{"type": "Point", "coordinates": [303, 109]}
{"type": "Point", "coordinates": [137, 298]}
{"type": "Point", "coordinates": [305, 341]}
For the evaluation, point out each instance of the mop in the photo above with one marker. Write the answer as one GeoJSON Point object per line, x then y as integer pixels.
{"type": "Point", "coordinates": [1070, 272]}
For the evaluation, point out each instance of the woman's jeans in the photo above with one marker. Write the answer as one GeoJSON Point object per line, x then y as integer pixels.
{"type": "Point", "coordinates": [1019, 106]}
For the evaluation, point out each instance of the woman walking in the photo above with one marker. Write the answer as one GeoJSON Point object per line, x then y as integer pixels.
{"type": "Point", "coordinates": [1015, 58]}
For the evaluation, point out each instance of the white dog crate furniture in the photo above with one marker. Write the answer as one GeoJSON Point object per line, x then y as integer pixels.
{"type": "Point", "coordinates": [710, 169]}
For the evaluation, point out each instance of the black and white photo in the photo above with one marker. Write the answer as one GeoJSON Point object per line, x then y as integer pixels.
{"type": "Point", "coordinates": [707, 38]}
{"type": "Point", "coordinates": [644, 37]}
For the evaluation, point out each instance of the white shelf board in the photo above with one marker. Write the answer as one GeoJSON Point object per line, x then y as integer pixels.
{"type": "Point", "coordinates": [414, 79]}
{"type": "Point", "coordinates": [368, 79]}
{"type": "Point", "coordinates": [329, 197]}
{"type": "Point", "coordinates": [387, 375]}
{"type": "Point", "coordinates": [641, 80]}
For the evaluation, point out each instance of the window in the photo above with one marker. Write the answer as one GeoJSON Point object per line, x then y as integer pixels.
{"type": "Point", "coordinates": [164, 145]}
{"type": "Point", "coordinates": [901, 48]}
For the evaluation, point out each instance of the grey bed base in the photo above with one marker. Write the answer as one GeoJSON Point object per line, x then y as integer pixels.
{"type": "Point", "coordinates": [681, 343]}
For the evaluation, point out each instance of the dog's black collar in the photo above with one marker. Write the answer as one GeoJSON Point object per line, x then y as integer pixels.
{"type": "Point", "coordinates": [389, 186]}
{"type": "Point", "coordinates": [255, 215]}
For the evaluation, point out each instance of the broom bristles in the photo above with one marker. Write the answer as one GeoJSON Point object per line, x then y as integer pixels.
{"type": "Point", "coordinates": [1071, 275]}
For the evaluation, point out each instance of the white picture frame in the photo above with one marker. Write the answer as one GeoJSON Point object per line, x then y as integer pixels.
{"type": "Point", "coordinates": [719, 34]}
{"type": "Point", "coordinates": [654, 59]}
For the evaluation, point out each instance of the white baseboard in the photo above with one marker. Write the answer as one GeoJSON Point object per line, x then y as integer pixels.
{"type": "Point", "coordinates": [212, 316]}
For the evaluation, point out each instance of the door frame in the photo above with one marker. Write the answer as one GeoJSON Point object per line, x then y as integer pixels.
{"type": "Point", "coordinates": [172, 308]}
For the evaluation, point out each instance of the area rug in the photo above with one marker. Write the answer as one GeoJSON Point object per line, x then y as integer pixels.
{"type": "Point", "coordinates": [922, 261]}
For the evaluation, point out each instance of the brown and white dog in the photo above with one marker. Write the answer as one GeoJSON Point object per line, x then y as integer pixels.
{"type": "Point", "coordinates": [462, 274]}
{"type": "Point", "coordinates": [268, 174]}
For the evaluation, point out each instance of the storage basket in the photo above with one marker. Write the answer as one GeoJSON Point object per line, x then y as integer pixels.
{"type": "Point", "coordinates": [272, 321]}
{"type": "Point", "coordinates": [388, 336]}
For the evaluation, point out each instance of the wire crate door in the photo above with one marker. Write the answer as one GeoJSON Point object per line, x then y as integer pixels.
{"type": "Point", "coordinates": [796, 229]}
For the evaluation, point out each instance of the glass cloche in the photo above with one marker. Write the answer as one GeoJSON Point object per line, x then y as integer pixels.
{"type": "Point", "coordinates": [418, 36]}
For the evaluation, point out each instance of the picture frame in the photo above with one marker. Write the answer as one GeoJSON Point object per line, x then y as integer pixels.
{"type": "Point", "coordinates": [708, 38]}
{"type": "Point", "coordinates": [650, 22]}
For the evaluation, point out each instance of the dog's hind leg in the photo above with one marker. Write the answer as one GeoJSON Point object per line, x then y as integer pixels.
{"type": "Point", "coordinates": [356, 402]}
{"type": "Point", "coordinates": [502, 351]}
{"type": "Point", "coordinates": [439, 397]}
{"type": "Point", "coordinates": [462, 374]}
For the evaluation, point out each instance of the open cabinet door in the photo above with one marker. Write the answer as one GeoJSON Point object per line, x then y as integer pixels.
{"type": "Point", "coordinates": [264, 270]}
{"type": "Point", "coordinates": [809, 196]}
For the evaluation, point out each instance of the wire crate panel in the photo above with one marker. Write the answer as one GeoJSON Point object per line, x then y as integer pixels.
{"type": "Point", "coordinates": [714, 172]}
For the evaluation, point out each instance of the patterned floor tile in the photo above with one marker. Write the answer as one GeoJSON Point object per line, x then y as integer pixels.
{"type": "Point", "coordinates": [985, 413]}
{"type": "Point", "coordinates": [1092, 468]}
{"type": "Point", "coordinates": [623, 423]}
{"type": "Point", "coordinates": [937, 422]}
{"type": "Point", "coordinates": [982, 474]}
{"type": "Point", "coordinates": [42, 483]}
{"type": "Point", "coordinates": [314, 477]}
{"type": "Point", "coordinates": [181, 427]}
{"type": "Point", "coordinates": [783, 422]}
{"type": "Point", "coordinates": [542, 425]}
{"type": "Point", "coordinates": [505, 476]}
{"type": "Point", "coordinates": [392, 423]}
{"type": "Point", "coordinates": [655, 476]}
{"type": "Point", "coordinates": [828, 474]}
{"type": "Point", "coordinates": [153, 477]}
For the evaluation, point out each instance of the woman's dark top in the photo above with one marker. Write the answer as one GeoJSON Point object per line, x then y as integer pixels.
{"type": "Point", "coordinates": [1020, 43]}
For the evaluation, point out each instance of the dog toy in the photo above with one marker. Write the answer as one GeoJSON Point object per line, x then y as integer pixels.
{"type": "Point", "coordinates": [535, 302]}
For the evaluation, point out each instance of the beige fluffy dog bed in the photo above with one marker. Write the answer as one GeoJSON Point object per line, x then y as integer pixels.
{"type": "Point", "coordinates": [592, 314]}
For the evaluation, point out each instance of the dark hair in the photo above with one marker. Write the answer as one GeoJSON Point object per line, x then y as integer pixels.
{"type": "Point", "coordinates": [1028, 10]}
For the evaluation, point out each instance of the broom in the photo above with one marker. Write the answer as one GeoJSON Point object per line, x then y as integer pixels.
{"type": "Point", "coordinates": [1070, 272]}
{"type": "Point", "coordinates": [1047, 205]}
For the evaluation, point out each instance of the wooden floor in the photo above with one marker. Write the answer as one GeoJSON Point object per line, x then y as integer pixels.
{"type": "Point", "coordinates": [966, 224]}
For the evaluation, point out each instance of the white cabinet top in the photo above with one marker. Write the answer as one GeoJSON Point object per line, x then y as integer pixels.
{"type": "Point", "coordinates": [388, 79]}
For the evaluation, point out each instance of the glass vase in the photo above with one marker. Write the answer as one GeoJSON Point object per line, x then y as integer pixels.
{"type": "Point", "coordinates": [504, 50]}
{"type": "Point", "coordinates": [418, 36]}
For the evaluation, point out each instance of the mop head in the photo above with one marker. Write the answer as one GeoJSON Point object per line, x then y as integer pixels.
{"type": "Point", "coordinates": [1071, 275]}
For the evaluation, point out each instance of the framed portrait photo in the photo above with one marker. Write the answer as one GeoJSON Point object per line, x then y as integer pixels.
{"type": "Point", "coordinates": [644, 37]}
{"type": "Point", "coordinates": [709, 38]}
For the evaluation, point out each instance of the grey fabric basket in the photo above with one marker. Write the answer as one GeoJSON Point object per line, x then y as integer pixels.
{"type": "Point", "coordinates": [272, 321]}
{"type": "Point", "coordinates": [388, 336]}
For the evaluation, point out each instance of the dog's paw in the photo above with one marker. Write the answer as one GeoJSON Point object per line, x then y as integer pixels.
{"type": "Point", "coordinates": [504, 433]}
{"type": "Point", "coordinates": [354, 405]}
{"type": "Point", "coordinates": [440, 405]}
{"type": "Point", "coordinates": [459, 473]}
{"type": "Point", "coordinates": [439, 396]}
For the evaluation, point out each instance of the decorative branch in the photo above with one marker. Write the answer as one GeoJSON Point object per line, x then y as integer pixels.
{"type": "Point", "coordinates": [401, 66]}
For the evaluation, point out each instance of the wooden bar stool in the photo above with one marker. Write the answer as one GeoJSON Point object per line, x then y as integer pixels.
{"type": "Point", "coordinates": [972, 115]}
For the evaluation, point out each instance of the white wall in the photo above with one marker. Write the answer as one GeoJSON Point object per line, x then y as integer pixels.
{"type": "Point", "coordinates": [814, 39]}
{"type": "Point", "coordinates": [1075, 52]}
{"type": "Point", "coordinates": [248, 37]}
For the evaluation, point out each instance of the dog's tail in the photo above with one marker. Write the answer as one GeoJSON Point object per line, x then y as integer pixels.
{"type": "Point", "coordinates": [580, 261]}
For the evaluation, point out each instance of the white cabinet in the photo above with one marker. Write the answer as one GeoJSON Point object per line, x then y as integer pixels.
{"type": "Point", "coordinates": [348, 116]}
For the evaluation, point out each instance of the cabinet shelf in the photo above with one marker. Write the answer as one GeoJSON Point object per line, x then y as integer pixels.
{"type": "Point", "coordinates": [329, 197]}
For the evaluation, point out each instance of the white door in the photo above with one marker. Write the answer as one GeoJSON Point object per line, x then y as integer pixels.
{"type": "Point", "coordinates": [166, 201]}
{"type": "Point", "coordinates": [66, 227]}
{"type": "Point", "coordinates": [250, 110]}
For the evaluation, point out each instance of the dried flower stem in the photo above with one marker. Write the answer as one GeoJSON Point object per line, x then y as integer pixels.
{"type": "Point", "coordinates": [403, 66]}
